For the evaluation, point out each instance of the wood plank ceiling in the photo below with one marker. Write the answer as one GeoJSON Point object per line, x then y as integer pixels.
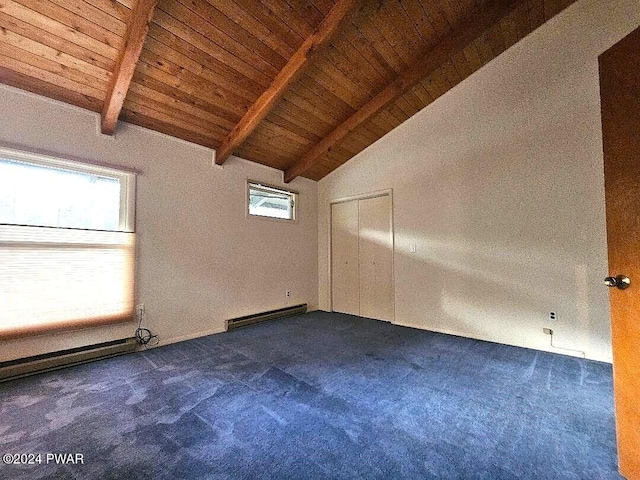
{"type": "Point", "coordinates": [299, 85]}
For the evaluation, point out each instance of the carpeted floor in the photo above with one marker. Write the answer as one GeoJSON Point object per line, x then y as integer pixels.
{"type": "Point", "coordinates": [318, 396]}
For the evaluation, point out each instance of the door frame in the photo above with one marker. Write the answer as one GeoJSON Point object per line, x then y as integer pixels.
{"type": "Point", "coordinates": [363, 196]}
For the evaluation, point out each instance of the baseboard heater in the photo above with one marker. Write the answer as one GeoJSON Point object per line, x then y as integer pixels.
{"type": "Point", "coordinates": [52, 361]}
{"type": "Point", "coordinates": [264, 316]}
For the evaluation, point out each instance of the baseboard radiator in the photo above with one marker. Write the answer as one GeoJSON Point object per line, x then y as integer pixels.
{"type": "Point", "coordinates": [52, 361]}
{"type": "Point", "coordinates": [264, 316]}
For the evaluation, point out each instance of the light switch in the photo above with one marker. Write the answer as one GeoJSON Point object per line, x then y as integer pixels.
{"type": "Point", "coordinates": [412, 248]}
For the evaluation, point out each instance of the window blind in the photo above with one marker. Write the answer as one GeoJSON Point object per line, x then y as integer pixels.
{"type": "Point", "coordinates": [56, 278]}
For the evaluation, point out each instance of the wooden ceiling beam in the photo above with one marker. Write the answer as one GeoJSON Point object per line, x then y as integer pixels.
{"type": "Point", "coordinates": [328, 28]}
{"type": "Point", "coordinates": [126, 63]}
{"type": "Point", "coordinates": [455, 42]}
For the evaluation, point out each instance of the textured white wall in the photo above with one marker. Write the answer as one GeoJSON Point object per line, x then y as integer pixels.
{"type": "Point", "coordinates": [499, 184]}
{"type": "Point", "coordinates": [200, 260]}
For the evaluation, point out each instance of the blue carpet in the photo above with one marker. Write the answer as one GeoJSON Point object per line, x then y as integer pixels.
{"type": "Point", "coordinates": [320, 395]}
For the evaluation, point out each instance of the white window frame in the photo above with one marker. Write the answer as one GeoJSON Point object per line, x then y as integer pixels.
{"type": "Point", "coordinates": [127, 179]}
{"type": "Point", "coordinates": [255, 185]}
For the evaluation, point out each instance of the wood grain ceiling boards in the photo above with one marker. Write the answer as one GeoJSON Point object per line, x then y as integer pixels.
{"type": "Point", "coordinates": [296, 66]}
{"type": "Point", "coordinates": [126, 62]}
{"type": "Point", "coordinates": [204, 63]}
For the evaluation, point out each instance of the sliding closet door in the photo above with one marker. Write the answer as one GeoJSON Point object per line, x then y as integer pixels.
{"type": "Point", "coordinates": [375, 258]}
{"type": "Point", "coordinates": [344, 258]}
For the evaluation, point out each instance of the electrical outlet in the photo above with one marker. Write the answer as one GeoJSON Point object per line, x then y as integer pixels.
{"type": "Point", "coordinates": [140, 308]}
{"type": "Point", "coordinates": [553, 315]}
{"type": "Point", "coordinates": [547, 331]}
{"type": "Point", "coordinates": [288, 293]}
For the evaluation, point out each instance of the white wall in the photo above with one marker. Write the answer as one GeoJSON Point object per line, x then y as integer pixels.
{"type": "Point", "coordinates": [199, 260]}
{"type": "Point", "coordinates": [499, 184]}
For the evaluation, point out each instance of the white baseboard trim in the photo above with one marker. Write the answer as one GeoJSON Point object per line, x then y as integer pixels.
{"type": "Point", "coordinates": [191, 336]}
{"type": "Point", "coordinates": [542, 348]}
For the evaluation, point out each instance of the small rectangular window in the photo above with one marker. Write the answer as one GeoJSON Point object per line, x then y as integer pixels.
{"type": "Point", "coordinates": [266, 201]}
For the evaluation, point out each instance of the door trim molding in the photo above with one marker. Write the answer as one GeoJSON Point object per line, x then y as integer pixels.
{"type": "Point", "coordinates": [362, 196]}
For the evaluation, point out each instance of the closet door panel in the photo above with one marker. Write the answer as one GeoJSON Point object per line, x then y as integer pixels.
{"type": "Point", "coordinates": [376, 258]}
{"type": "Point", "coordinates": [344, 258]}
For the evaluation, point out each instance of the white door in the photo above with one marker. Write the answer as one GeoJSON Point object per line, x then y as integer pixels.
{"type": "Point", "coordinates": [362, 258]}
{"type": "Point", "coordinates": [375, 258]}
{"type": "Point", "coordinates": [344, 258]}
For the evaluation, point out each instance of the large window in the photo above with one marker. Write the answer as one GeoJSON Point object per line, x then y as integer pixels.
{"type": "Point", "coordinates": [267, 201]}
{"type": "Point", "coordinates": [66, 244]}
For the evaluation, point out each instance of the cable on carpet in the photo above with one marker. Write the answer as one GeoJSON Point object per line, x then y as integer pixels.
{"type": "Point", "coordinates": [144, 336]}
